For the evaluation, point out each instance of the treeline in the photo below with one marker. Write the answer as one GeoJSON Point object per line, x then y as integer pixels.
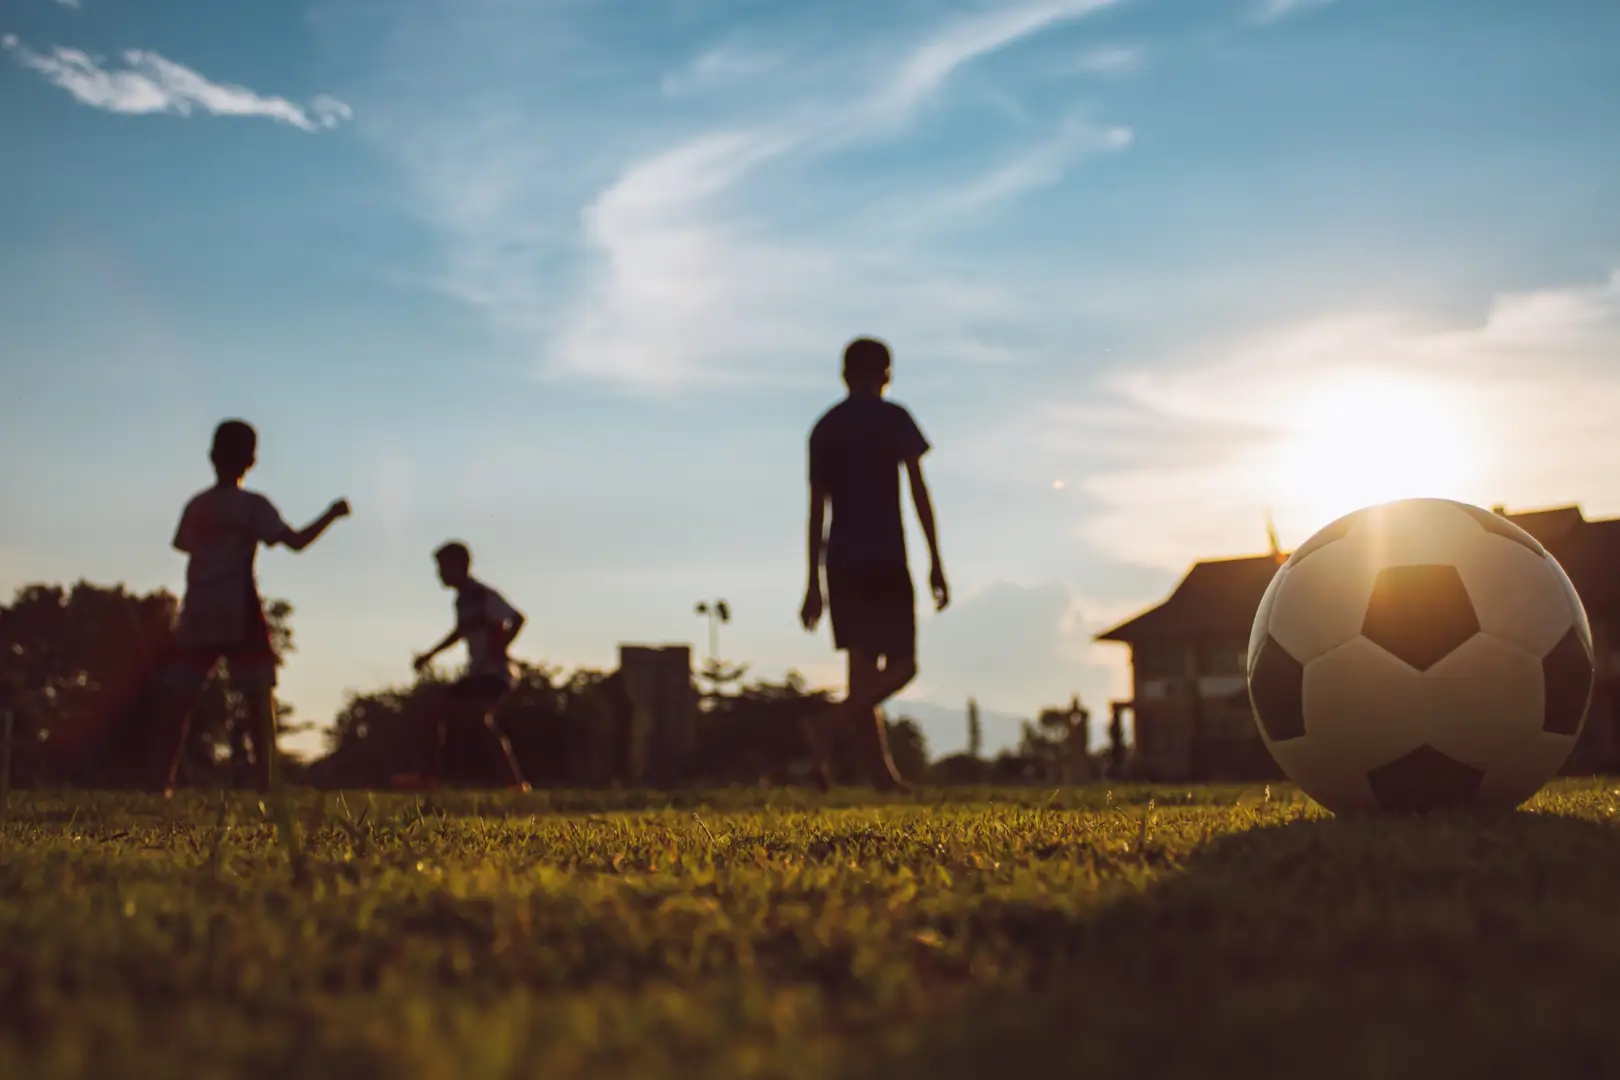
{"type": "Point", "coordinates": [78, 681]}
{"type": "Point", "coordinates": [78, 674]}
{"type": "Point", "coordinates": [574, 731]}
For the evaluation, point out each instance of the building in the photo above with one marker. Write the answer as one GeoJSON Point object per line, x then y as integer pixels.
{"type": "Point", "coordinates": [1189, 692]}
{"type": "Point", "coordinates": [657, 681]}
{"type": "Point", "coordinates": [1189, 697]}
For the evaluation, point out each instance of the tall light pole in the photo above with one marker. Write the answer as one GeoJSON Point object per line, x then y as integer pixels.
{"type": "Point", "coordinates": [718, 611]}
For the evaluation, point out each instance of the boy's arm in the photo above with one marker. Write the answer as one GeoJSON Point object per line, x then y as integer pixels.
{"type": "Point", "coordinates": [925, 507]}
{"type": "Point", "coordinates": [448, 641]}
{"type": "Point", "coordinates": [910, 445]}
{"type": "Point", "coordinates": [810, 612]}
{"type": "Point", "coordinates": [183, 539]}
{"type": "Point", "coordinates": [507, 619]}
{"type": "Point", "coordinates": [925, 515]}
{"type": "Point", "coordinates": [514, 626]}
{"type": "Point", "coordinates": [818, 532]}
{"type": "Point", "coordinates": [299, 539]}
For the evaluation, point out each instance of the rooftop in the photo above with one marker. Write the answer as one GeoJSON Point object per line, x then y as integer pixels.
{"type": "Point", "coordinates": [1218, 597]}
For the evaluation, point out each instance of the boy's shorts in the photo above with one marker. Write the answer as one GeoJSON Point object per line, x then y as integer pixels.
{"type": "Point", "coordinates": [483, 692]}
{"type": "Point", "coordinates": [873, 608]}
{"type": "Point", "coordinates": [249, 657]}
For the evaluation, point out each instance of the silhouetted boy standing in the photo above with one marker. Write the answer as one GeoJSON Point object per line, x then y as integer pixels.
{"type": "Point", "coordinates": [488, 624]}
{"type": "Point", "coordinates": [222, 617]}
{"type": "Point", "coordinates": [857, 449]}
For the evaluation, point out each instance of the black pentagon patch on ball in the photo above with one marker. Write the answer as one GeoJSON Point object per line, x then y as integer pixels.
{"type": "Point", "coordinates": [1567, 675]}
{"type": "Point", "coordinates": [1424, 780]}
{"type": "Point", "coordinates": [1419, 614]}
{"type": "Point", "coordinates": [1277, 691]}
{"type": "Point", "coordinates": [1330, 532]}
{"type": "Point", "coordinates": [1501, 526]}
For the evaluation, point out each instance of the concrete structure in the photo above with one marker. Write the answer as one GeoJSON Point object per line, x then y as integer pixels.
{"type": "Point", "coordinates": [663, 703]}
{"type": "Point", "coordinates": [1189, 696]}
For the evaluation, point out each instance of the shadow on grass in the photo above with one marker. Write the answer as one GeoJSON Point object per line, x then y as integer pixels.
{"type": "Point", "coordinates": [1324, 948]}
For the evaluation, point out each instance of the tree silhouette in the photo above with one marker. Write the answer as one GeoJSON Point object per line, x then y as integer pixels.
{"type": "Point", "coordinates": [575, 732]}
{"type": "Point", "coordinates": [80, 668]}
{"type": "Point", "coordinates": [716, 677]}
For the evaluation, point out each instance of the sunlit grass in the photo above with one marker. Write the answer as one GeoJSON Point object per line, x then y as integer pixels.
{"type": "Point", "coordinates": [1150, 932]}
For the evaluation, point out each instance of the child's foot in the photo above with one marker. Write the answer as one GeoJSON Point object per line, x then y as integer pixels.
{"type": "Point", "coordinates": [893, 785]}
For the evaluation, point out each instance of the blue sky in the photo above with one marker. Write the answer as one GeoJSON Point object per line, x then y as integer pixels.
{"type": "Point", "coordinates": [570, 281]}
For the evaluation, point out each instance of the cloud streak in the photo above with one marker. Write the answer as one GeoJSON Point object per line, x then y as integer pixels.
{"type": "Point", "coordinates": [1108, 60]}
{"type": "Point", "coordinates": [721, 67]}
{"type": "Point", "coordinates": [702, 243]}
{"type": "Point", "coordinates": [1042, 165]}
{"type": "Point", "coordinates": [930, 65]}
{"type": "Point", "coordinates": [1270, 11]}
{"type": "Point", "coordinates": [150, 83]}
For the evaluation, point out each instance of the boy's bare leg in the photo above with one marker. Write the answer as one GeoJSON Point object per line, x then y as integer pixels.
{"type": "Point", "coordinates": [267, 772]}
{"type": "Point", "coordinates": [507, 754]}
{"type": "Point", "coordinates": [437, 735]}
{"type": "Point", "coordinates": [261, 713]}
{"type": "Point", "coordinates": [241, 762]}
{"type": "Point", "coordinates": [846, 716]}
{"type": "Point", "coordinates": [169, 730]}
{"type": "Point", "coordinates": [884, 772]}
{"type": "Point", "coordinates": [872, 685]}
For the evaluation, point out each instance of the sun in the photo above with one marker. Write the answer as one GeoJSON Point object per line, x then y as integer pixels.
{"type": "Point", "coordinates": [1369, 438]}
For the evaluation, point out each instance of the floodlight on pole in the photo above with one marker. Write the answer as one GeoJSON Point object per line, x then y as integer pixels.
{"type": "Point", "coordinates": [718, 611]}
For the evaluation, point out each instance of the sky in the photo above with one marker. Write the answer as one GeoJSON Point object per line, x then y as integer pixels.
{"type": "Point", "coordinates": [570, 281]}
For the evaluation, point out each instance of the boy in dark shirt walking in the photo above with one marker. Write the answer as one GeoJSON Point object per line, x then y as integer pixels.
{"type": "Point", "coordinates": [857, 449]}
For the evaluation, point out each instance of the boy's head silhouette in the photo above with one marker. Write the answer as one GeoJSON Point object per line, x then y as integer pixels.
{"type": "Point", "coordinates": [234, 449]}
{"type": "Point", "coordinates": [455, 561]}
{"type": "Point", "coordinates": [867, 366]}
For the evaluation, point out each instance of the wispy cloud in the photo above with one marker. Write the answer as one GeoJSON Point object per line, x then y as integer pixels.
{"type": "Point", "coordinates": [1108, 60]}
{"type": "Point", "coordinates": [150, 83]}
{"type": "Point", "coordinates": [930, 65]}
{"type": "Point", "coordinates": [1269, 11]}
{"type": "Point", "coordinates": [1043, 164]}
{"type": "Point", "coordinates": [1192, 448]}
{"type": "Point", "coordinates": [719, 67]}
{"type": "Point", "coordinates": [69, 3]}
{"type": "Point", "coordinates": [716, 249]}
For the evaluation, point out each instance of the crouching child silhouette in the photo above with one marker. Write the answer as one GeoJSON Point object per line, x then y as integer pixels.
{"type": "Point", "coordinates": [857, 450]}
{"type": "Point", "coordinates": [222, 617]}
{"type": "Point", "coordinates": [488, 624]}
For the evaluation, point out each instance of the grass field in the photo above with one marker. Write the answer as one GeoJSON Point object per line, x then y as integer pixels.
{"type": "Point", "coordinates": [964, 934]}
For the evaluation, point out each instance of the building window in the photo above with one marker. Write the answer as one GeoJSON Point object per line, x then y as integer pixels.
{"type": "Point", "coordinates": [1222, 656]}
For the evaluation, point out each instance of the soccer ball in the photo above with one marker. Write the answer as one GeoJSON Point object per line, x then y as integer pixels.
{"type": "Point", "coordinates": [1420, 654]}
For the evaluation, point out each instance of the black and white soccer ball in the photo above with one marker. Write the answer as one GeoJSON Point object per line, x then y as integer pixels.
{"type": "Point", "coordinates": [1420, 654]}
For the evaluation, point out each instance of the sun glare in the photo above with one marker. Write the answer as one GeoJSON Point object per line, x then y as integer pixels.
{"type": "Point", "coordinates": [1370, 439]}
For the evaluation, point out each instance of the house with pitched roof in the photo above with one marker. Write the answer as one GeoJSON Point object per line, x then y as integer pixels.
{"type": "Point", "coordinates": [1189, 698]}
